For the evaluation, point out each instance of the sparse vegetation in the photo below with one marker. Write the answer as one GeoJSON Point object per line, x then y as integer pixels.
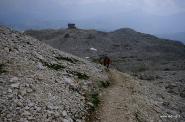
{"type": "Point", "coordinates": [82, 76]}
{"type": "Point", "coordinates": [148, 77]}
{"type": "Point", "coordinates": [140, 68]}
{"type": "Point", "coordinates": [2, 69]}
{"type": "Point", "coordinates": [53, 66]}
{"type": "Point", "coordinates": [95, 100]}
{"type": "Point", "coordinates": [71, 60]}
{"type": "Point", "coordinates": [90, 36]}
{"type": "Point", "coordinates": [103, 84]}
{"type": "Point", "coordinates": [96, 60]}
{"type": "Point", "coordinates": [66, 35]}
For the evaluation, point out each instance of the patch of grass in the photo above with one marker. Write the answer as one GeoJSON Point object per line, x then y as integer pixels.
{"type": "Point", "coordinates": [103, 84]}
{"type": "Point", "coordinates": [53, 66]}
{"type": "Point", "coordinates": [139, 117]}
{"type": "Point", "coordinates": [95, 100]}
{"type": "Point", "coordinates": [140, 68]}
{"type": "Point", "coordinates": [90, 36]}
{"type": "Point", "coordinates": [66, 35]}
{"type": "Point", "coordinates": [2, 68]}
{"type": "Point", "coordinates": [96, 60]}
{"type": "Point", "coordinates": [82, 76]}
{"type": "Point", "coordinates": [71, 60]}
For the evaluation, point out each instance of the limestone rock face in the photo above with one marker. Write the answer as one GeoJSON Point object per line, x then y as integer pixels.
{"type": "Point", "coordinates": [39, 83]}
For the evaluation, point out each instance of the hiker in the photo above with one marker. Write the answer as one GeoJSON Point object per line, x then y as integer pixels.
{"type": "Point", "coordinates": [105, 61]}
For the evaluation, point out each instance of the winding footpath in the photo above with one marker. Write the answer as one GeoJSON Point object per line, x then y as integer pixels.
{"type": "Point", "coordinates": [123, 102]}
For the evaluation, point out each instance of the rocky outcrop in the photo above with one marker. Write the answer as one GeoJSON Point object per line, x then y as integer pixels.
{"type": "Point", "coordinates": [39, 83]}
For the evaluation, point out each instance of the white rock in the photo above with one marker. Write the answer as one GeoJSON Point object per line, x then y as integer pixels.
{"type": "Point", "coordinates": [64, 113]}
{"type": "Point", "coordinates": [39, 56]}
{"type": "Point", "coordinates": [10, 90]}
{"type": "Point", "coordinates": [23, 92]}
{"type": "Point", "coordinates": [26, 108]}
{"type": "Point", "coordinates": [29, 90]}
{"type": "Point", "coordinates": [68, 81]}
{"type": "Point", "coordinates": [23, 120]}
{"type": "Point", "coordinates": [70, 120]}
{"type": "Point", "coordinates": [65, 120]}
{"type": "Point", "coordinates": [31, 104]}
{"type": "Point", "coordinates": [78, 120]}
{"type": "Point", "coordinates": [15, 85]}
{"type": "Point", "coordinates": [93, 49]}
{"type": "Point", "coordinates": [19, 104]}
{"type": "Point", "coordinates": [26, 113]}
{"type": "Point", "coordinates": [40, 66]}
{"type": "Point", "coordinates": [38, 108]}
{"type": "Point", "coordinates": [14, 79]}
{"type": "Point", "coordinates": [50, 112]}
{"type": "Point", "coordinates": [91, 104]}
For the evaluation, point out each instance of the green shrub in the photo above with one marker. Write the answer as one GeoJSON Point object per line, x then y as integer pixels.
{"type": "Point", "coordinates": [66, 35]}
{"type": "Point", "coordinates": [71, 60]}
{"type": "Point", "coordinates": [53, 66]}
{"type": "Point", "coordinates": [2, 68]}
{"type": "Point", "coordinates": [103, 84]}
{"type": "Point", "coordinates": [140, 68]}
{"type": "Point", "coordinates": [82, 76]}
{"type": "Point", "coordinates": [95, 100]}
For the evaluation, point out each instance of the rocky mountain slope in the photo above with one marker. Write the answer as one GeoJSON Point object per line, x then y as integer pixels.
{"type": "Point", "coordinates": [158, 63]}
{"type": "Point", "coordinates": [40, 83]}
{"type": "Point", "coordinates": [129, 50]}
{"type": "Point", "coordinates": [180, 36]}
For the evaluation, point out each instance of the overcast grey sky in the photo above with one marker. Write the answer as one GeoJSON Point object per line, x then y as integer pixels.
{"type": "Point", "coordinates": [150, 16]}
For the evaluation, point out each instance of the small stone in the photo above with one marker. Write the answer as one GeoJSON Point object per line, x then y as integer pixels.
{"type": "Point", "coordinates": [64, 113]}
{"type": "Point", "coordinates": [40, 66]}
{"type": "Point", "coordinates": [19, 103]}
{"type": "Point", "coordinates": [31, 104]}
{"type": "Point", "coordinates": [57, 114]}
{"type": "Point", "coordinates": [23, 92]}
{"type": "Point", "coordinates": [29, 90]}
{"type": "Point", "coordinates": [10, 96]}
{"type": "Point", "coordinates": [91, 104]}
{"type": "Point", "coordinates": [10, 90]}
{"type": "Point", "coordinates": [78, 120]}
{"type": "Point", "coordinates": [23, 120]}
{"type": "Point", "coordinates": [14, 79]}
{"type": "Point", "coordinates": [39, 56]}
{"type": "Point", "coordinates": [70, 120]}
{"type": "Point", "coordinates": [30, 118]}
{"type": "Point", "coordinates": [26, 113]}
{"type": "Point", "coordinates": [68, 81]}
{"type": "Point", "coordinates": [65, 120]}
{"type": "Point", "coordinates": [15, 85]}
{"type": "Point", "coordinates": [27, 107]}
{"type": "Point", "coordinates": [38, 108]}
{"type": "Point", "coordinates": [50, 112]}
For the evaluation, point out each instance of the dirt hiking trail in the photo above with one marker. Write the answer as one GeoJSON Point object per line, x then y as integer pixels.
{"type": "Point", "coordinates": [124, 102]}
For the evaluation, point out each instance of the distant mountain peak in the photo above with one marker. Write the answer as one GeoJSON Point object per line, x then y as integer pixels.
{"type": "Point", "coordinates": [128, 30]}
